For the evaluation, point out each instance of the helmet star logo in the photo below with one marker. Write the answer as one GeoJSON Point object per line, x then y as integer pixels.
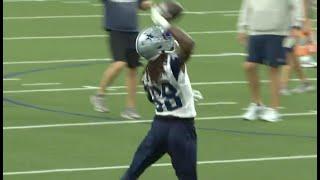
{"type": "Point", "coordinates": [149, 36]}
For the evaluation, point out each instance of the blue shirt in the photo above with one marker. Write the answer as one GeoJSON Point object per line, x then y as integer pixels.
{"type": "Point", "coordinates": [121, 15]}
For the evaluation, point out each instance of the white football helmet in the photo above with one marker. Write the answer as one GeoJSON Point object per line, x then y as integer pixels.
{"type": "Point", "coordinates": [153, 41]}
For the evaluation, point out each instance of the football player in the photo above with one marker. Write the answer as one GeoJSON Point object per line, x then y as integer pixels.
{"type": "Point", "coordinates": [167, 84]}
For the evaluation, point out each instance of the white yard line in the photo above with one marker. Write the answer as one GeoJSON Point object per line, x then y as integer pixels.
{"type": "Point", "coordinates": [211, 12]}
{"type": "Point", "coordinates": [215, 103]}
{"type": "Point", "coordinates": [230, 14]}
{"type": "Point", "coordinates": [40, 84]}
{"type": "Point", "coordinates": [219, 55]}
{"type": "Point", "coordinates": [56, 61]}
{"type": "Point", "coordinates": [107, 59]}
{"type": "Point", "coordinates": [52, 17]}
{"type": "Point", "coordinates": [259, 159]}
{"type": "Point", "coordinates": [136, 121]}
{"type": "Point", "coordinates": [75, 2]}
{"type": "Point", "coordinates": [280, 107]}
{"type": "Point", "coordinates": [99, 5]}
{"type": "Point", "coordinates": [9, 1]}
{"type": "Point", "coordinates": [212, 32]}
{"type": "Point", "coordinates": [100, 16]}
{"type": "Point", "coordinates": [63, 89]}
{"type": "Point", "coordinates": [99, 35]}
{"type": "Point", "coordinates": [11, 79]}
{"type": "Point", "coordinates": [53, 37]}
{"type": "Point", "coordinates": [121, 93]}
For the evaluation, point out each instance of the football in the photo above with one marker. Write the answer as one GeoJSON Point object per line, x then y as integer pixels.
{"type": "Point", "coordinates": [170, 10]}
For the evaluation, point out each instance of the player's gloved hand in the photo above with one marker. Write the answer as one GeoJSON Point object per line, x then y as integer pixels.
{"type": "Point", "coordinates": [158, 19]}
{"type": "Point", "coordinates": [197, 95]}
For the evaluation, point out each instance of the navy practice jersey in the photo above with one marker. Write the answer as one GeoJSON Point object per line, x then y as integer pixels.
{"type": "Point", "coordinates": [121, 15]}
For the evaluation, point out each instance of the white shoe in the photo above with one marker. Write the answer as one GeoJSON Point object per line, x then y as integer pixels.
{"type": "Point", "coordinates": [307, 62]}
{"type": "Point", "coordinates": [130, 113]}
{"type": "Point", "coordinates": [285, 92]}
{"type": "Point", "coordinates": [270, 115]}
{"type": "Point", "coordinates": [253, 112]}
{"type": "Point", "coordinates": [305, 87]}
{"type": "Point", "coordinates": [98, 103]}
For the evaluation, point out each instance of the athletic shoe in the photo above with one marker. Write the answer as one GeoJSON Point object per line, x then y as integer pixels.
{"type": "Point", "coordinates": [304, 87]}
{"type": "Point", "coordinates": [285, 91]}
{"type": "Point", "coordinates": [270, 115]}
{"type": "Point", "coordinates": [307, 62]}
{"type": "Point", "coordinates": [253, 112]}
{"type": "Point", "coordinates": [130, 113]}
{"type": "Point", "coordinates": [98, 103]}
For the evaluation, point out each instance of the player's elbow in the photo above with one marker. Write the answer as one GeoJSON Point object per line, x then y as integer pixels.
{"type": "Point", "coordinates": [189, 46]}
{"type": "Point", "coordinates": [145, 5]}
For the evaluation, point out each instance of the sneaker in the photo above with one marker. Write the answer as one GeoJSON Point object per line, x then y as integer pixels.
{"type": "Point", "coordinates": [130, 113]}
{"type": "Point", "coordinates": [307, 62]}
{"type": "Point", "coordinates": [304, 87]}
{"type": "Point", "coordinates": [285, 91]}
{"type": "Point", "coordinates": [98, 103]}
{"type": "Point", "coordinates": [253, 112]}
{"type": "Point", "coordinates": [270, 115]}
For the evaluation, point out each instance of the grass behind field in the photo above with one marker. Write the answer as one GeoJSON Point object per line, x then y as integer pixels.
{"type": "Point", "coordinates": [222, 135]}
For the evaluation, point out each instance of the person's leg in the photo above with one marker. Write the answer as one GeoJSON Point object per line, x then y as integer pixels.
{"type": "Point", "coordinates": [297, 68]}
{"type": "Point", "coordinates": [118, 49]}
{"type": "Point", "coordinates": [255, 57]}
{"type": "Point", "coordinates": [131, 87]}
{"type": "Point", "coordinates": [274, 87]}
{"type": "Point", "coordinates": [275, 57]}
{"type": "Point", "coordinates": [284, 79]}
{"type": "Point", "coordinates": [288, 45]}
{"type": "Point", "coordinates": [110, 74]}
{"type": "Point", "coordinates": [131, 78]}
{"type": "Point", "coordinates": [286, 71]}
{"type": "Point", "coordinates": [253, 80]}
{"type": "Point", "coordinates": [149, 151]}
{"type": "Point", "coordinates": [182, 148]}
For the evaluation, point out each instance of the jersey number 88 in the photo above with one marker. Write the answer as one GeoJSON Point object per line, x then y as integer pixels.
{"type": "Point", "coordinates": [168, 95]}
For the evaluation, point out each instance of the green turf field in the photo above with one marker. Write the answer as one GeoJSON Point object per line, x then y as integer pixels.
{"type": "Point", "coordinates": [54, 55]}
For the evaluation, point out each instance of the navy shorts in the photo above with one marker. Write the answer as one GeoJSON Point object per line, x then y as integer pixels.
{"type": "Point", "coordinates": [267, 49]}
{"type": "Point", "coordinates": [123, 47]}
{"type": "Point", "coordinates": [172, 135]}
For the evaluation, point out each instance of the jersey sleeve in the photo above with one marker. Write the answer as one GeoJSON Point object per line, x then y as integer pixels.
{"type": "Point", "coordinates": [175, 65]}
{"type": "Point", "coordinates": [146, 88]}
{"type": "Point", "coordinates": [148, 93]}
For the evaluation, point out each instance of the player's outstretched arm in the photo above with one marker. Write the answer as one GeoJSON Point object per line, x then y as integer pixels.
{"type": "Point", "coordinates": [186, 44]}
{"type": "Point", "coordinates": [145, 4]}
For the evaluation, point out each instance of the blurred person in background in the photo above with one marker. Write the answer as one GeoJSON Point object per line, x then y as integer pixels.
{"type": "Point", "coordinates": [300, 45]}
{"type": "Point", "coordinates": [267, 23]}
{"type": "Point", "coordinates": [121, 21]}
